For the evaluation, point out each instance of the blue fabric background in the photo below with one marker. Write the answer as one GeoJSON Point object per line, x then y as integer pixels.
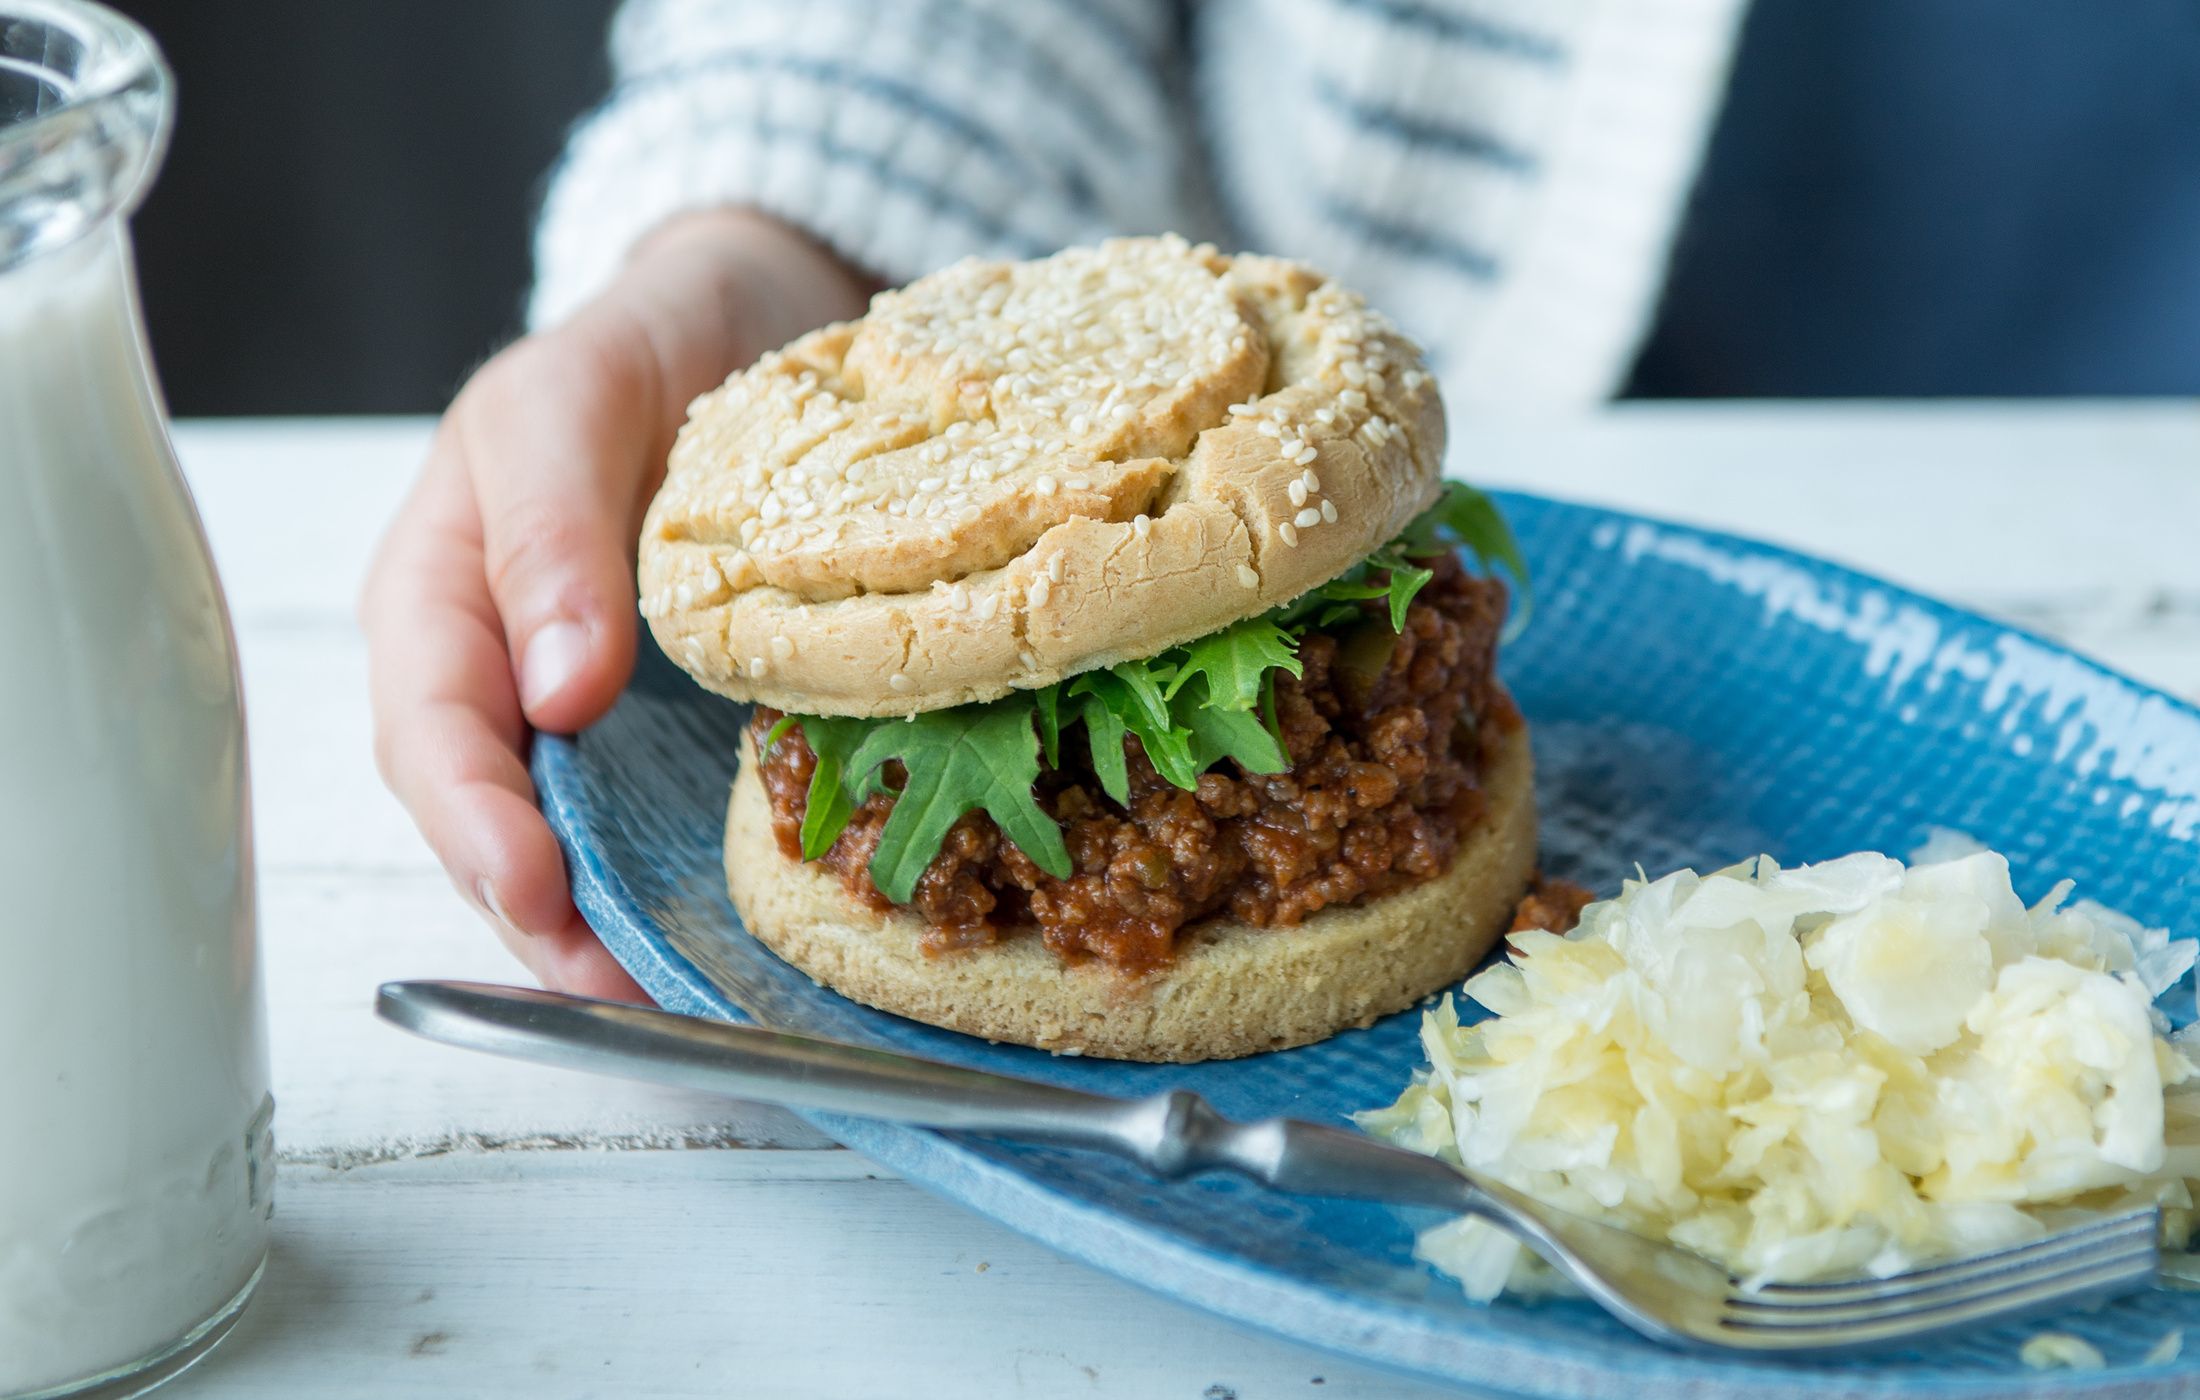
{"type": "Point", "coordinates": [1945, 197]}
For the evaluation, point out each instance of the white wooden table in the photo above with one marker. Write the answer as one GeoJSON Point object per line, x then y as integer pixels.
{"type": "Point", "coordinates": [453, 1225]}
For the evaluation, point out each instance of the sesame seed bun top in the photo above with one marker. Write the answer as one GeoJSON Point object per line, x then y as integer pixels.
{"type": "Point", "coordinates": [1008, 473]}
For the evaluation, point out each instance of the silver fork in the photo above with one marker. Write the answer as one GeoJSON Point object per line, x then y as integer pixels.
{"type": "Point", "coordinates": [1665, 1293]}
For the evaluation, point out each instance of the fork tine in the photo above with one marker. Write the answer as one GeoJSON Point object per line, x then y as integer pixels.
{"type": "Point", "coordinates": [2048, 1251]}
{"type": "Point", "coordinates": [1906, 1327]}
{"type": "Point", "coordinates": [1833, 1315]}
{"type": "Point", "coordinates": [1895, 1318]}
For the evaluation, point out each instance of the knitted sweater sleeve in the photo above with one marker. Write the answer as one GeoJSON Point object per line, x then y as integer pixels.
{"type": "Point", "coordinates": [903, 134]}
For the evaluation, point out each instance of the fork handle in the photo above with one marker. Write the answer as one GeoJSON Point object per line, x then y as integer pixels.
{"type": "Point", "coordinates": [1171, 1134]}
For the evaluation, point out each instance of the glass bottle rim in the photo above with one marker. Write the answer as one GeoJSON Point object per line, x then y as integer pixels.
{"type": "Point", "coordinates": [86, 150]}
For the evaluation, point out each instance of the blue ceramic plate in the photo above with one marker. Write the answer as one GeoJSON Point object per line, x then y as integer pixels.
{"type": "Point", "coordinates": [1694, 698]}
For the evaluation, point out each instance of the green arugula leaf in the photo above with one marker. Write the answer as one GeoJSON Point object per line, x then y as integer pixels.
{"type": "Point", "coordinates": [826, 814]}
{"type": "Point", "coordinates": [959, 760]}
{"type": "Point", "coordinates": [830, 803]}
{"type": "Point", "coordinates": [1047, 701]}
{"type": "Point", "coordinates": [1169, 749]}
{"type": "Point", "coordinates": [1352, 587]}
{"type": "Point", "coordinates": [1235, 661]}
{"type": "Point", "coordinates": [1147, 683]}
{"type": "Point", "coordinates": [1406, 580]}
{"type": "Point", "coordinates": [1168, 746]}
{"type": "Point", "coordinates": [1217, 733]}
{"type": "Point", "coordinates": [1104, 733]}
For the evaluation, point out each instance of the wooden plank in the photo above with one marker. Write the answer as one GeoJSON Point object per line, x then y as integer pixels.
{"type": "Point", "coordinates": [294, 506]}
{"type": "Point", "coordinates": [319, 804]}
{"type": "Point", "coordinates": [350, 1089]}
{"type": "Point", "coordinates": [707, 1274]}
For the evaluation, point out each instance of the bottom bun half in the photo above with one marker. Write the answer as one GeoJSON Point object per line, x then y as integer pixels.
{"type": "Point", "coordinates": [1233, 989]}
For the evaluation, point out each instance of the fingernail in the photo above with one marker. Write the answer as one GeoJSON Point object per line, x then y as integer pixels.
{"type": "Point", "coordinates": [486, 893]}
{"type": "Point", "coordinates": [554, 655]}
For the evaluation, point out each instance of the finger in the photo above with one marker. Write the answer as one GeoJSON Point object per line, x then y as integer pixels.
{"type": "Point", "coordinates": [566, 958]}
{"type": "Point", "coordinates": [575, 960]}
{"type": "Point", "coordinates": [559, 442]}
{"type": "Point", "coordinates": [448, 728]}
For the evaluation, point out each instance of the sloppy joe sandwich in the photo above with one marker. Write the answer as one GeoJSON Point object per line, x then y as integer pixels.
{"type": "Point", "coordinates": [1123, 667]}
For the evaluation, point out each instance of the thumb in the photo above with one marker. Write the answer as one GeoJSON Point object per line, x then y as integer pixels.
{"type": "Point", "coordinates": [560, 446]}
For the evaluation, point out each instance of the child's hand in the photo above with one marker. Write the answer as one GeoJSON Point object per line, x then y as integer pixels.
{"type": "Point", "coordinates": [503, 597]}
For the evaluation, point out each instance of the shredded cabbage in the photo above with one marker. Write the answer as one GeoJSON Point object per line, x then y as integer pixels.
{"type": "Point", "coordinates": [1855, 1067]}
{"type": "Point", "coordinates": [2046, 1351]}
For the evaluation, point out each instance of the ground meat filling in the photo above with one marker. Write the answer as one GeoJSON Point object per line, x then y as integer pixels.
{"type": "Point", "coordinates": [1389, 733]}
{"type": "Point", "coordinates": [1551, 905]}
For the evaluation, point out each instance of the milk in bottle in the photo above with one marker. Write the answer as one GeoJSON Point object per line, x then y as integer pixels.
{"type": "Point", "coordinates": [135, 1164]}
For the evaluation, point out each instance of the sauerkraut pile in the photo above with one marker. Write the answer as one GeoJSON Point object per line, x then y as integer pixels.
{"type": "Point", "coordinates": [1840, 1069]}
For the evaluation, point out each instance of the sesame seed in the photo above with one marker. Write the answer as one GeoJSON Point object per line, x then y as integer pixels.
{"type": "Point", "coordinates": [1028, 657]}
{"type": "Point", "coordinates": [1307, 519]}
{"type": "Point", "coordinates": [1044, 485]}
{"type": "Point", "coordinates": [1080, 483]}
{"type": "Point", "coordinates": [782, 647]}
{"type": "Point", "coordinates": [1313, 482]}
{"type": "Point", "coordinates": [930, 484]}
{"type": "Point", "coordinates": [898, 681]}
{"type": "Point", "coordinates": [1054, 568]}
{"type": "Point", "coordinates": [987, 606]}
{"type": "Point", "coordinates": [1288, 533]}
{"type": "Point", "coordinates": [958, 597]}
{"type": "Point", "coordinates": [1290, 447]}
{"type": "Point", "coordinates": [1329, 511]}
{"type": "Point", "coordinates": [1305, 455]}
{"type": "Point", "coordinates": [1247, 577]}
{"type": "Point", "coordinates": [1297, 492]}
{"type": "Point", "coordinates": [1042, 588]}
{"type": "Point", "coordinates": [1267, 427]}
{"type": "Point", "coordinates": [1141, 526]}
{"type": "Point", "coordinates": [757, 667]}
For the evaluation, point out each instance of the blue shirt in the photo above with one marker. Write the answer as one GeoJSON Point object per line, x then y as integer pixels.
{"type": "Point", "coordinates": [1945, 197]}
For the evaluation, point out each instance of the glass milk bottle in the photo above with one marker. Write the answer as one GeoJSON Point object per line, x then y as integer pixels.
{"type": "Point", "coordinates": [135, 1160]}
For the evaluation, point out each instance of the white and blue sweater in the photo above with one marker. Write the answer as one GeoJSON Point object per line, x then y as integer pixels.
{"type": "Point", "coordinates": [1502, 176]}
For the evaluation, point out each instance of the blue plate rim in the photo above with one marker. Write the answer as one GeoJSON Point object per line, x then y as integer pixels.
{"type": "Point", "coordinates": [1353, 1328]}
